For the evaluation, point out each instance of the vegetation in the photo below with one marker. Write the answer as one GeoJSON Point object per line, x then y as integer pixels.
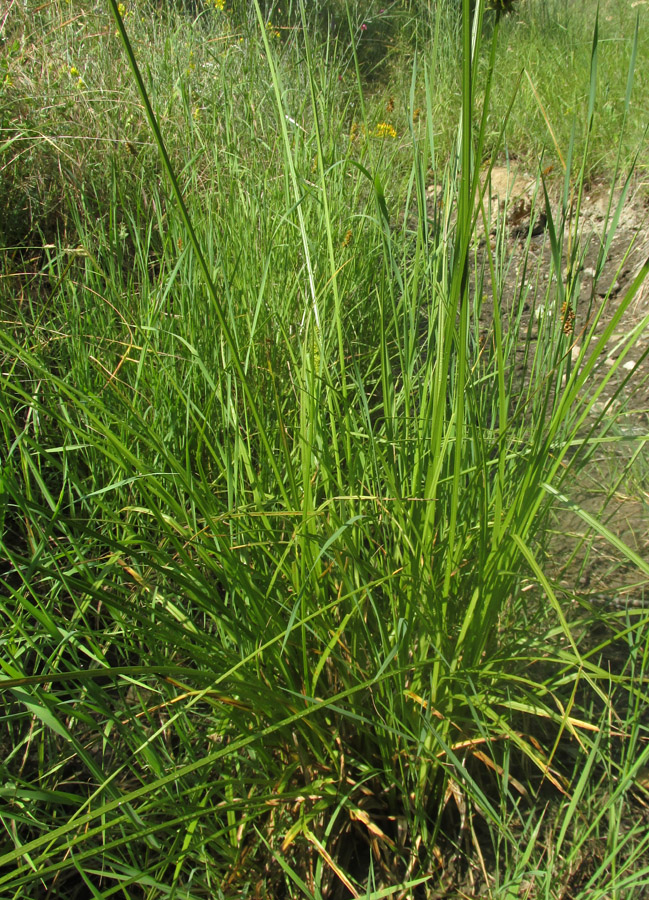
{"type": "Point", "coordinates": [282, 451]}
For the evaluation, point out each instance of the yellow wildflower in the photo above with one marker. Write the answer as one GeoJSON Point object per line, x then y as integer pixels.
{"type": "Point", "coordinates": [384, 129]}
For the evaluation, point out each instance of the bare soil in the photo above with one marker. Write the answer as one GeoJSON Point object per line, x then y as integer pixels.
{"type": "Point", "coordinates": [613, 485]}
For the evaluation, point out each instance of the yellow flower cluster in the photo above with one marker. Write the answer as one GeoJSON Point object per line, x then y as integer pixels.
{"type": "Point", "coordinates": [123, 13]}
{"type": "Point", "coordinates": [384, 129]}
{"type": "Point", "coordinates": [74, 73]}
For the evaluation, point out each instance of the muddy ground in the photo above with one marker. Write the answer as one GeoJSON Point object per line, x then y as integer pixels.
{"type": "Point", "coordinates": [613, 485]}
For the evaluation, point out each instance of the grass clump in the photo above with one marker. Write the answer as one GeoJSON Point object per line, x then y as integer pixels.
{"type": "Point", "coordinates": [275, 486]}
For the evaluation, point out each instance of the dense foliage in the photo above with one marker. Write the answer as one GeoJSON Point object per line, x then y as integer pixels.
{"type": "Point", "coordinates": [282, 445]}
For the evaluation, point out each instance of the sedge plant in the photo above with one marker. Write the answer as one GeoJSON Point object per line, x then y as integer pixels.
{"type": "Point", "coordinates": [271, 509]}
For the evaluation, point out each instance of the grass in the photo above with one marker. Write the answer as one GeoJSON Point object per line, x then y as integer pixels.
{"type": "Point", "coordinates": [276, 492]}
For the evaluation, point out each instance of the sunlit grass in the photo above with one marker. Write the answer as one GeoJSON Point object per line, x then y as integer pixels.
{"type": "Point", "coordinates": [275, 507]}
